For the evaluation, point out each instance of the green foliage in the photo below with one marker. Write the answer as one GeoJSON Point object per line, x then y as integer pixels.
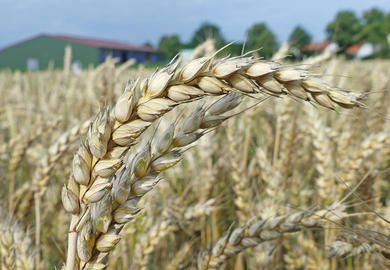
{"type": "Point", "coordinates": [148, 44]}
{"type": "Point", "coordinates": [259, 36]}
{"type": "Point", "coordinates": [170, 45]}
{"type": "Point", "coordinates": [299, 37]}
{"type": "Point", "coordinates": [205, 31]}
{"type": "Point", "coordinates": [373, 15]}
{"type": "Point", "coordinates": [375, 29]}
{"type": "Point", "coordinates": [345, 29]}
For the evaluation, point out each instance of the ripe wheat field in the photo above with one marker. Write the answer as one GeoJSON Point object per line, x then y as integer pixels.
{"type": "Point", "coordinates": [233, 163]}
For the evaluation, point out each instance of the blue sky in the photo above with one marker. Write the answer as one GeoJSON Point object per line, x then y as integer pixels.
{"type": "Point", "coordinates": [148, 20]}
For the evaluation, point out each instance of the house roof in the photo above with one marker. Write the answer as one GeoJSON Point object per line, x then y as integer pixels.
{"type": "Point", "coordinates": [353, 49]}
{"type": "Point", "coordinates": [93, 42]}
{"type": "Point", "coordinates": [315, 46]}
{"type": "Point", "coordinates": [100, 43]}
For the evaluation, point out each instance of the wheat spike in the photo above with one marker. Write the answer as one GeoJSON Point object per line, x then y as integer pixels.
{"type": "Point", "coordinates": [23, 197]}
{"type": "Point", "coordinates": [16, 250]}
{"type": "Point", "coordinates": [257, 231]}
{"type": "Point", "coordinates": [106, 197]}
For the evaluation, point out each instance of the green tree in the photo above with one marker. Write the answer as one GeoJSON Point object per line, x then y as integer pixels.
{"type": "Point", "coordinates": [373, 15]}
{"type": "Point", "coordinates": [170, 45]}
{"type": "Point", "coordinates": [299, 37]}
{"type": "Point", "coordinates": [375, 29]}
{"type": "Point", "coordinates": [345, 29]}
{"type": "Point", "coordinates": [259, 36]}
{"type": "Point", "coordinates": [205, 31]}
{"type": "Point", "coordinates": [148, 44]}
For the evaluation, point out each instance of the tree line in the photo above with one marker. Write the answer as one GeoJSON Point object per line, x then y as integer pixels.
{"type": "Point", "coordinates": [346, 29]}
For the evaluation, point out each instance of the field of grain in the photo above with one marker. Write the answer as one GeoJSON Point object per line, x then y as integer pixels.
{"type": "Point", "coordinates": [267, 167]}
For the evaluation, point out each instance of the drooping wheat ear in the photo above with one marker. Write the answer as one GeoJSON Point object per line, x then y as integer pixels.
{"type": "Point", "coordinates": [353, 165]}
{"type": "Point", "coordinates": [257, 231]}
{"type": "Point", "coordinates": [16, 249]}
{"type": "Point", "coordinates": [102, 198]}
{"type": "Point", "coordinates": [54, 153]}
{"type": "Point", "coordinates": [21, 146]}
{"type": "Point", "coordinates": [347, 247]}
{"type": "Point", "coordinates": [23, 197]}
{"type": "Point", "coordinates": [166, 226]}
{"type": "Point", "coordinates": [19, 152]}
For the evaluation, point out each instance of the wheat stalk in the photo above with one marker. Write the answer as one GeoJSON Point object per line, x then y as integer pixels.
{"type": "Point", "coordinates": [322, 151]}
{"type": "Point", "coordinates": [179, 257]}
{"type": "Point", "coordinates": [166, 226]}
{"type": "Point", "coordinates": [238, 173]}
{"type": "Point", "coordinates": [102, 198]}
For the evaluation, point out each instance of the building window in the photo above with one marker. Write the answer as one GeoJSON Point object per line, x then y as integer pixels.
{"type": "Point", "coordinates": [147, 57]}
{"type": "Point", "coordinates": [104, 53]}
{"type": "Point", "coordinates": [77, 67]}
{"type": "Point", "coordinates": [32, 64]}
{"type": "Point", "coordinates": [123, 56]}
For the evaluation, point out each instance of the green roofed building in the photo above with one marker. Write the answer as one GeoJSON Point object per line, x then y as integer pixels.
{"type": "Point", "coordinates": [37, 52]}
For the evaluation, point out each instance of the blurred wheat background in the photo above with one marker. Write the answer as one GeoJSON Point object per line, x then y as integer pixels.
{"type": "Point", "coordinates": [277, 159]}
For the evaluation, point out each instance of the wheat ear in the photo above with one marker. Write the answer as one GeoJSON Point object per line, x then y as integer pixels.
{"type": "Point", "coordinates": [23, 197]}
{"type": "Point", "coordinates": [102, 200]}
{"type": "Point", "coordinates": [16, 249]}
{"type": "Point", "coordinates": [19, 152]}
{"type": "Point", "coordinates": [257, 231]}
{"type": "Point", "coordinates": [346, 248]}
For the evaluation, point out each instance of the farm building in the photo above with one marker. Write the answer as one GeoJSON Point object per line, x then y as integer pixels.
{"type": "Point", "coordinates": [38, 51]}
{"type": "Point", "coordinates": [315, 48]}
{"type": "Point", "coordinates": [363, 50]}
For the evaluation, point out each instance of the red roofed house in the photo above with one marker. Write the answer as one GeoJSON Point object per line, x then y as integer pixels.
{"type": "Point", "coordinates": [353, 50]}
{"type": "Point", "coordinates": [38, 51]}
{"type": "Point", "coordinates": [319, 47]}
{"type": "Point", "coordinates": [315, 47]}
{"type": "Point", "coordinates": [362, 51]}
